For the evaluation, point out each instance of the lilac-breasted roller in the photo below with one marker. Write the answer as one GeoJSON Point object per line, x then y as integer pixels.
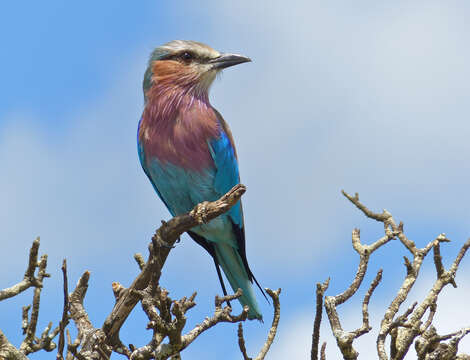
{"type": "Point", "coordinates": [187, 151]}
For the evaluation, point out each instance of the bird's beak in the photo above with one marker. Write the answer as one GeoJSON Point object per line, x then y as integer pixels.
{"type": "Point", "coordinates": [226, 60]}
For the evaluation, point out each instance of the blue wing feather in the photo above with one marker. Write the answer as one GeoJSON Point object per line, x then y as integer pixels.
{"type": "Point", "coordinates": [226, 175]}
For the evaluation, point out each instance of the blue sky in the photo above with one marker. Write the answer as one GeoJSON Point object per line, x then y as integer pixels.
{"type": "Point", "coordinates": [369, 97]}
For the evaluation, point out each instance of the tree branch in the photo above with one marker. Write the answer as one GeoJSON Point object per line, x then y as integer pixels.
{"type": "Point", "coordinates": [99, 342]}
{"type": "Point", "coordinates": [345, 339]}
{"type": "Point", "coordinates": [272, 332]}
{"type": "Point", "coordinates": [321, 288]}
{"type": "Point", "coordinates": [29, 279]}
{"type": "Point", "coordinates": [405, 328]}
{"type": "Point", "coordinates": [169, 321]}
{"type": "Point", "coordinates": [162, 241]}
{"type": "Point", "coordinates": [8, 351]}
{"type": "Point", "coordinates": [31, 343]}
{"type": "Point", "coordinates": [65, 318]}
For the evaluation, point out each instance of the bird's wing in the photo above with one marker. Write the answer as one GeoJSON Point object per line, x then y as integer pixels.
{"type": "Point", "coordinates": [227, 176]}
{"type": "Point", "coordinates": [226, 168]}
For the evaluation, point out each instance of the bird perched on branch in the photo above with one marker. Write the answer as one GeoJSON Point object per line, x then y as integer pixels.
{"type": "Point", "coordinates": [187, 151]}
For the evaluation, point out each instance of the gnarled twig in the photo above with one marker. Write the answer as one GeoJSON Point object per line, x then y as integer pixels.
{"type": "Point", "coordinates": [272, 331]}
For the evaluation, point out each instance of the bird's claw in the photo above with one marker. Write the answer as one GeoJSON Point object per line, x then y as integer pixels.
{"type": "Point", "coordinates": [199, 213]}
{"type": "Point", "coordinates": [166, 246]}
{"type": "Point", "coordinates": [160, 243]}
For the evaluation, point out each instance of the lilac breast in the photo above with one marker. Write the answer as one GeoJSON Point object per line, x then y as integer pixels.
{"type": "Point", "coordinates": [175, 129]}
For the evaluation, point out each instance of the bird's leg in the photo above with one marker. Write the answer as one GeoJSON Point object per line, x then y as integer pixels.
{"type": "Point", "coordinates": [200, 212]}
{"type": "Point", "coordinates": [159, 242]}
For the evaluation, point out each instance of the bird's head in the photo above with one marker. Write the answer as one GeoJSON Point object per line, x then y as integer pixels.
{"type": "Point", "coordinates": [188, 65]}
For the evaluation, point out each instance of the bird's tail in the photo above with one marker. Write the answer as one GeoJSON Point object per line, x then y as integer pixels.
{"type": "Point", "coordinates": [237, 275]}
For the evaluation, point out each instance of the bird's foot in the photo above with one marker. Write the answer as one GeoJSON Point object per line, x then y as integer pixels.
{"type": "Point", "coordinates": [161, 243]}
{"type": "Point", "coordinates": [158, 242]}
{"type": "Point", "coordinates": [200, 212]}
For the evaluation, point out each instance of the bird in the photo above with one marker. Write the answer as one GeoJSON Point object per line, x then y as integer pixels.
{"type": "Point", "coordinates": [187, 151]}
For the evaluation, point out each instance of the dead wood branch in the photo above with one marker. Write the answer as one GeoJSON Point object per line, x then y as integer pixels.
{"type": "Point", "coordinates": [65, 318]}
{"type": "Point", "coordinates": [167, 319]}
{"type": "Point", "coordinates": [272, 331]}
{"type": "Point", "coordinates": [31, 343]}
{"type": "Point", "coordinates": [320, 292]}
{"type": "Point", "coordinates": [345, 339]}
{"type": "Point", "coordinates": [162, 241]}
{"type": "Point", "coordinates": [406, 328]}
{"type": "Point", "coordinates": [98, 343]}
{"type": "Point", "coordinates": [29, 279]}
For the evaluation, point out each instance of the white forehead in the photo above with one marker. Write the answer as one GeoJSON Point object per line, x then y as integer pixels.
{"type": "Point", "coordinates": [201, 49]}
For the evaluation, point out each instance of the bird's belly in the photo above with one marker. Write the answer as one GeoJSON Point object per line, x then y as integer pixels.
{"type": "Point", "coordinates": [217, 230]}
{"type": "Point", "coordinates": [183, 189]}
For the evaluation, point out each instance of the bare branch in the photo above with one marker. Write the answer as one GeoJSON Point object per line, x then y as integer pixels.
{"type": "Point", "coordinates": [77, 311]}
{"type": "Point", "coordinates": [220, 315]}
{"type": "Point", "coordinates": [118, 290]}
{"type": "Point", "coordinates": [8, 351]}
{"type": "Point", "coordinates": [98, 343]}
{"type": "Point", "coordinates": [31, 343]}
{"type": "Point", "coordinates": [31, 328]}
{"type": "Point", "coordinates": [432, 312]}
{"type": "Point", "coordinates": [162, 242]}
{"type": "Point", "coordinates": [65, 318]}
{"type": "Point", "coordinates": [25, 317]}
{"type": "Point", "coordinates": [140, 260]}
{"type": "Point", "coordinates": [365, 328]}
{"type": "Point", "coordinates": [28, 279]}
{"type": "Point", "coordinates": [345, 339]}
{"type": "Point", "coordinates": [170, 319]}
{"type": "Point", "coordinates": [241, 342]}
{"type": "Point", "coordinates": [430, 346]}
{"type": "Point", "coordinates": [383, 217]}
{"type": "Point", "coordinates": [322, 351]}
{"type": "Point", "coordinates": [321, 288]}
{"type": "Point", "coordinates": [92, 339]}
{"type": "Point", "coordinates": [72, 347]}
{"type": "Point", "coordinates": [405, 328]}
{"type": "Point", "coordinates": [438, 260]}
{"type": "Point", "coordinates": [272, 332]}
{"type": "Point", "coordinates": [414, 328]}
{"type": "Point", "coordinates": [456, 263]}
{"type": "Point", "coordinates": [364, 252]}
{"type": "Point", "coordinates": [386, 218]}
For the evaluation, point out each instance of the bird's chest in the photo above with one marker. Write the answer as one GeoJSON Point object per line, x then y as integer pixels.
{"type": "Point", "coordinates": [181, 138]}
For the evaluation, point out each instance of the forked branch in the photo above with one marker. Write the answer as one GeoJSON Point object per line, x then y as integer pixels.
{"type": "Point", "coordinates": [272, 331]}
{"type": "Point", "coordinates": [406, 328]}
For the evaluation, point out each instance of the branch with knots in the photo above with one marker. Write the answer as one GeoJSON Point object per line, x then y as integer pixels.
{"type": "Point", "coordinates": [167, 317]}
{"type": "Point", "coordinates": [34, 277]}
{"type": "Point", "coordinates": [402, 329]}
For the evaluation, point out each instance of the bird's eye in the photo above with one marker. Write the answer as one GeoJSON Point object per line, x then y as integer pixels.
{"type": "Point", "coordinates": [186, 56]}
